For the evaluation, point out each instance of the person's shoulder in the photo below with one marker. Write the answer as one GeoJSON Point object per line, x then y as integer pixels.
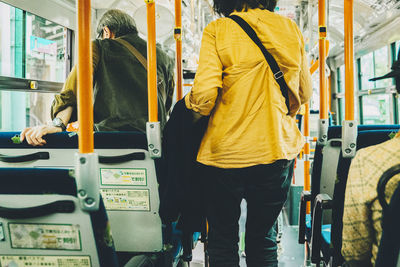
{"type": "Point", "coordinates": [215, 24]}
{"type": "Point", "coordinates": [96, 43]}
{"type": "Point", "coordinates": [268, 15]}
{"type": "Point", "coordinates": [275, 18]}
{"type": "Point", "coordinates": [161, 53]}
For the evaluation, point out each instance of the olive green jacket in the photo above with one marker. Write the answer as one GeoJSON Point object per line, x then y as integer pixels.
{"type": "Point", "coordinates": [120, 86]}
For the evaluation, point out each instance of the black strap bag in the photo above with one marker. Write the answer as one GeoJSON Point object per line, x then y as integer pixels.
{"type": "Point", "coordinates": [278, 74]}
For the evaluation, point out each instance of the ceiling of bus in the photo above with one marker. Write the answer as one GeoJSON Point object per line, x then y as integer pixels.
{"type": "Point", "coordinates": [371, 16]}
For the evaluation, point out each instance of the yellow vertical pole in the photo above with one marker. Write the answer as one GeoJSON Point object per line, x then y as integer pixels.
{"type": "Point", "coordinates": [151, 61]}
{"type": "Point", "coordinates": [349, 128]}
{"type": "Point", "coordinates": [323, 111]}
{"type": "Point", "coordinates": [178, 39]}
{"type": "Point", "coordinates": [307, 181]}
{"type": "Point", "coordinates": [323, 122]}
{"type": "Point", "coordinates": [85, 78]}
{"type": "Point", "coordinates": [349, 59]}
{"type": "Point", "coordinates": [86, 165]}
{"type": "Point", "coordinates": [314, 66]}
{"type": "Point", "coordinates": [322, 59]}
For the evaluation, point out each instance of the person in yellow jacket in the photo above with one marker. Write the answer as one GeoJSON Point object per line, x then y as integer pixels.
{"type": "Point", "coordinates": [252, 138]}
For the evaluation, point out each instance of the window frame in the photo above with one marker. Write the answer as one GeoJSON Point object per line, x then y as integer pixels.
{"type": "Point", "coordinates": [393, 103]}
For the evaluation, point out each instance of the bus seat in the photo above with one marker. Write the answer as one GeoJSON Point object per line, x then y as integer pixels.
{"type": "Point", "coordinates": [326, 241]}
{"type": "Point", "coordinates": [128, 181]}
{"type": "Point", "coordinates": [389, 247]}
{"type": "Point", "coordinates": [308, 227]}
{"type": "Point", "coordinates": [182, 251]}
{"type": "Point", "coordinates": [42, 225]}
{"type": "Point", "coordinates": [324, 202]}
{"type": "Point", "coordinates": [334, 132]}
{"type": "Point", "coordinates": [326, 169]}
{"type": "Point", "coordinates": [102, 140]}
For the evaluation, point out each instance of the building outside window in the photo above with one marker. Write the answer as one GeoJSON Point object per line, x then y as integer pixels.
{"type": "Point", "coordinates": [376, 106]}
{"type": "Point", "coordinates": [34, 48]}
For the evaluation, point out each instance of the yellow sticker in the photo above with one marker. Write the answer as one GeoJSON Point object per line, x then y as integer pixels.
{"type": "Point", "coordinates": [37, 261]}
{"type": "Point", "coordinates": [121, 199]}
{"type": "Point", "coordinates": [132, 177]}
{"type": "Point", "coordinates": [45, 236]}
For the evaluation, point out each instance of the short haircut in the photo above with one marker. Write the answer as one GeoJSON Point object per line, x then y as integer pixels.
{"type": "Point", "coordinates": [226, 7]}
{"type": "Point", "coordinates": [119, 23]}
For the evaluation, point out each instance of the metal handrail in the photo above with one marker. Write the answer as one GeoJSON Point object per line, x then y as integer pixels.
{"type": "Point", "coordinates": [151, 61]}
{"type": "Point", "coordinates": [153, 126]}
{"type": "Point", "coordinates": [29, 85]}
{"type": "Point", "coordinates": [178, 40]}
{"type": "Point", "coordinates": [349, 59]}
{"type": "Point", "coordinates": [349, 129]}
{"type": "Point", "coordinates": [85, 78]}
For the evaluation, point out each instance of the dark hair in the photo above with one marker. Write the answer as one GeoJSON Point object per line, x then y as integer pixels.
{"type": "Point", "coordinates": [226, 7]}
{"type": "Point", "coordinates": [118, 22]}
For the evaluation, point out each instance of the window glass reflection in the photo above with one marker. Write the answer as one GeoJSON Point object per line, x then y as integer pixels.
{"type": "Point", "coordinates": [34, 48]}
{"type": "Point", "coordinates": [45, 60]}
{"type": "Point", "coordinates": [376, 109]}
{"type": "Point", "coordinates": [382, 66]}
{"type": "Point", "coordinates": [367, 71]}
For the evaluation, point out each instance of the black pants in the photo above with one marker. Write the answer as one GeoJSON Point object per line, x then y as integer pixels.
{"type": "Point", "coordinates": [265, 188]}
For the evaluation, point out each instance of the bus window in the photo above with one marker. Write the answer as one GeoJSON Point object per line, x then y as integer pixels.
{"type": "Point", "coordinates": [13, 104]}
{"type": "Point", "coordinates": [382, 66]}
{"type": "Point", "coordinates": [45, 49]}
{"type": "Point", "coordinates": [46, 44]}
{"type": "Point", "coordinates": [367, 71]}
{"type": "Point", "coordinates": [376, 109]}
{"type": "Point", "coordinates": [341, 84]}
{"type": "Point", "coordinates": [34, 48]}
{"type": "Point", "coordinates": [10, 41]}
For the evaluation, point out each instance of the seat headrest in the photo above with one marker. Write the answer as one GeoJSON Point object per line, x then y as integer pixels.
{"type": "Point", "coordinates": [102, 140]}
{"type": "Point", "coordinates": [37, 181]}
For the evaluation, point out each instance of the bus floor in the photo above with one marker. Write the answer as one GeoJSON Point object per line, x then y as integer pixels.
{"type": "Point", "coordinates": [291, 255]}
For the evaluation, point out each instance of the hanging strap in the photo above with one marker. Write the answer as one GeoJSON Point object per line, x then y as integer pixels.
{"type": "Point", "coordinates": [278, 74]}
{"type": "Point", "coordinates": [134, 52]}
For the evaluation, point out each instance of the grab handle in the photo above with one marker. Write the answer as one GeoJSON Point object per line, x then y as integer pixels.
{"type": "Point", "coordinates": [24, 158]}
{"type": "Point", "coordinates": [122, 158]}
{"type": "Point", "coordinates": [61, 206]}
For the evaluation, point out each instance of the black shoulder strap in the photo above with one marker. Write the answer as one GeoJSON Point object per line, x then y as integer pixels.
{"type": "Point", "coordinates": [278, 74]}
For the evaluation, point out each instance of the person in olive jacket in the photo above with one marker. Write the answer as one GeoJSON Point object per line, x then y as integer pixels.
{"type": "Point", "coordinates": [120, 83]}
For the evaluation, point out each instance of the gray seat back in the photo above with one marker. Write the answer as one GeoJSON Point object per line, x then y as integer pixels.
{"type": "Point", "coordinates": [331, 154]}
{"type": "Point", "coordinates": [58, 239]}
{"type": "Point", "coordinates": [129, 190]}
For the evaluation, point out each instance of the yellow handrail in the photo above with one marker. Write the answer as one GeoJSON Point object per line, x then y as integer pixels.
{"type": "Point", "coordinates": [323, 113]}
{"type": "Point", "coordinates": [178, 39]}
{"type": "Point", "coordinates": [315, 64]}
{"type": "Point", "coordinates": [307, 182]}
{"type": "Point", "coordinates": [306, 149]}
{"type": "Point", "coordinates": [85, 78]}
{"type": "Point", "coordinates": [151, 61]}
{"type": "Point", "coordinates": [349, 59]}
